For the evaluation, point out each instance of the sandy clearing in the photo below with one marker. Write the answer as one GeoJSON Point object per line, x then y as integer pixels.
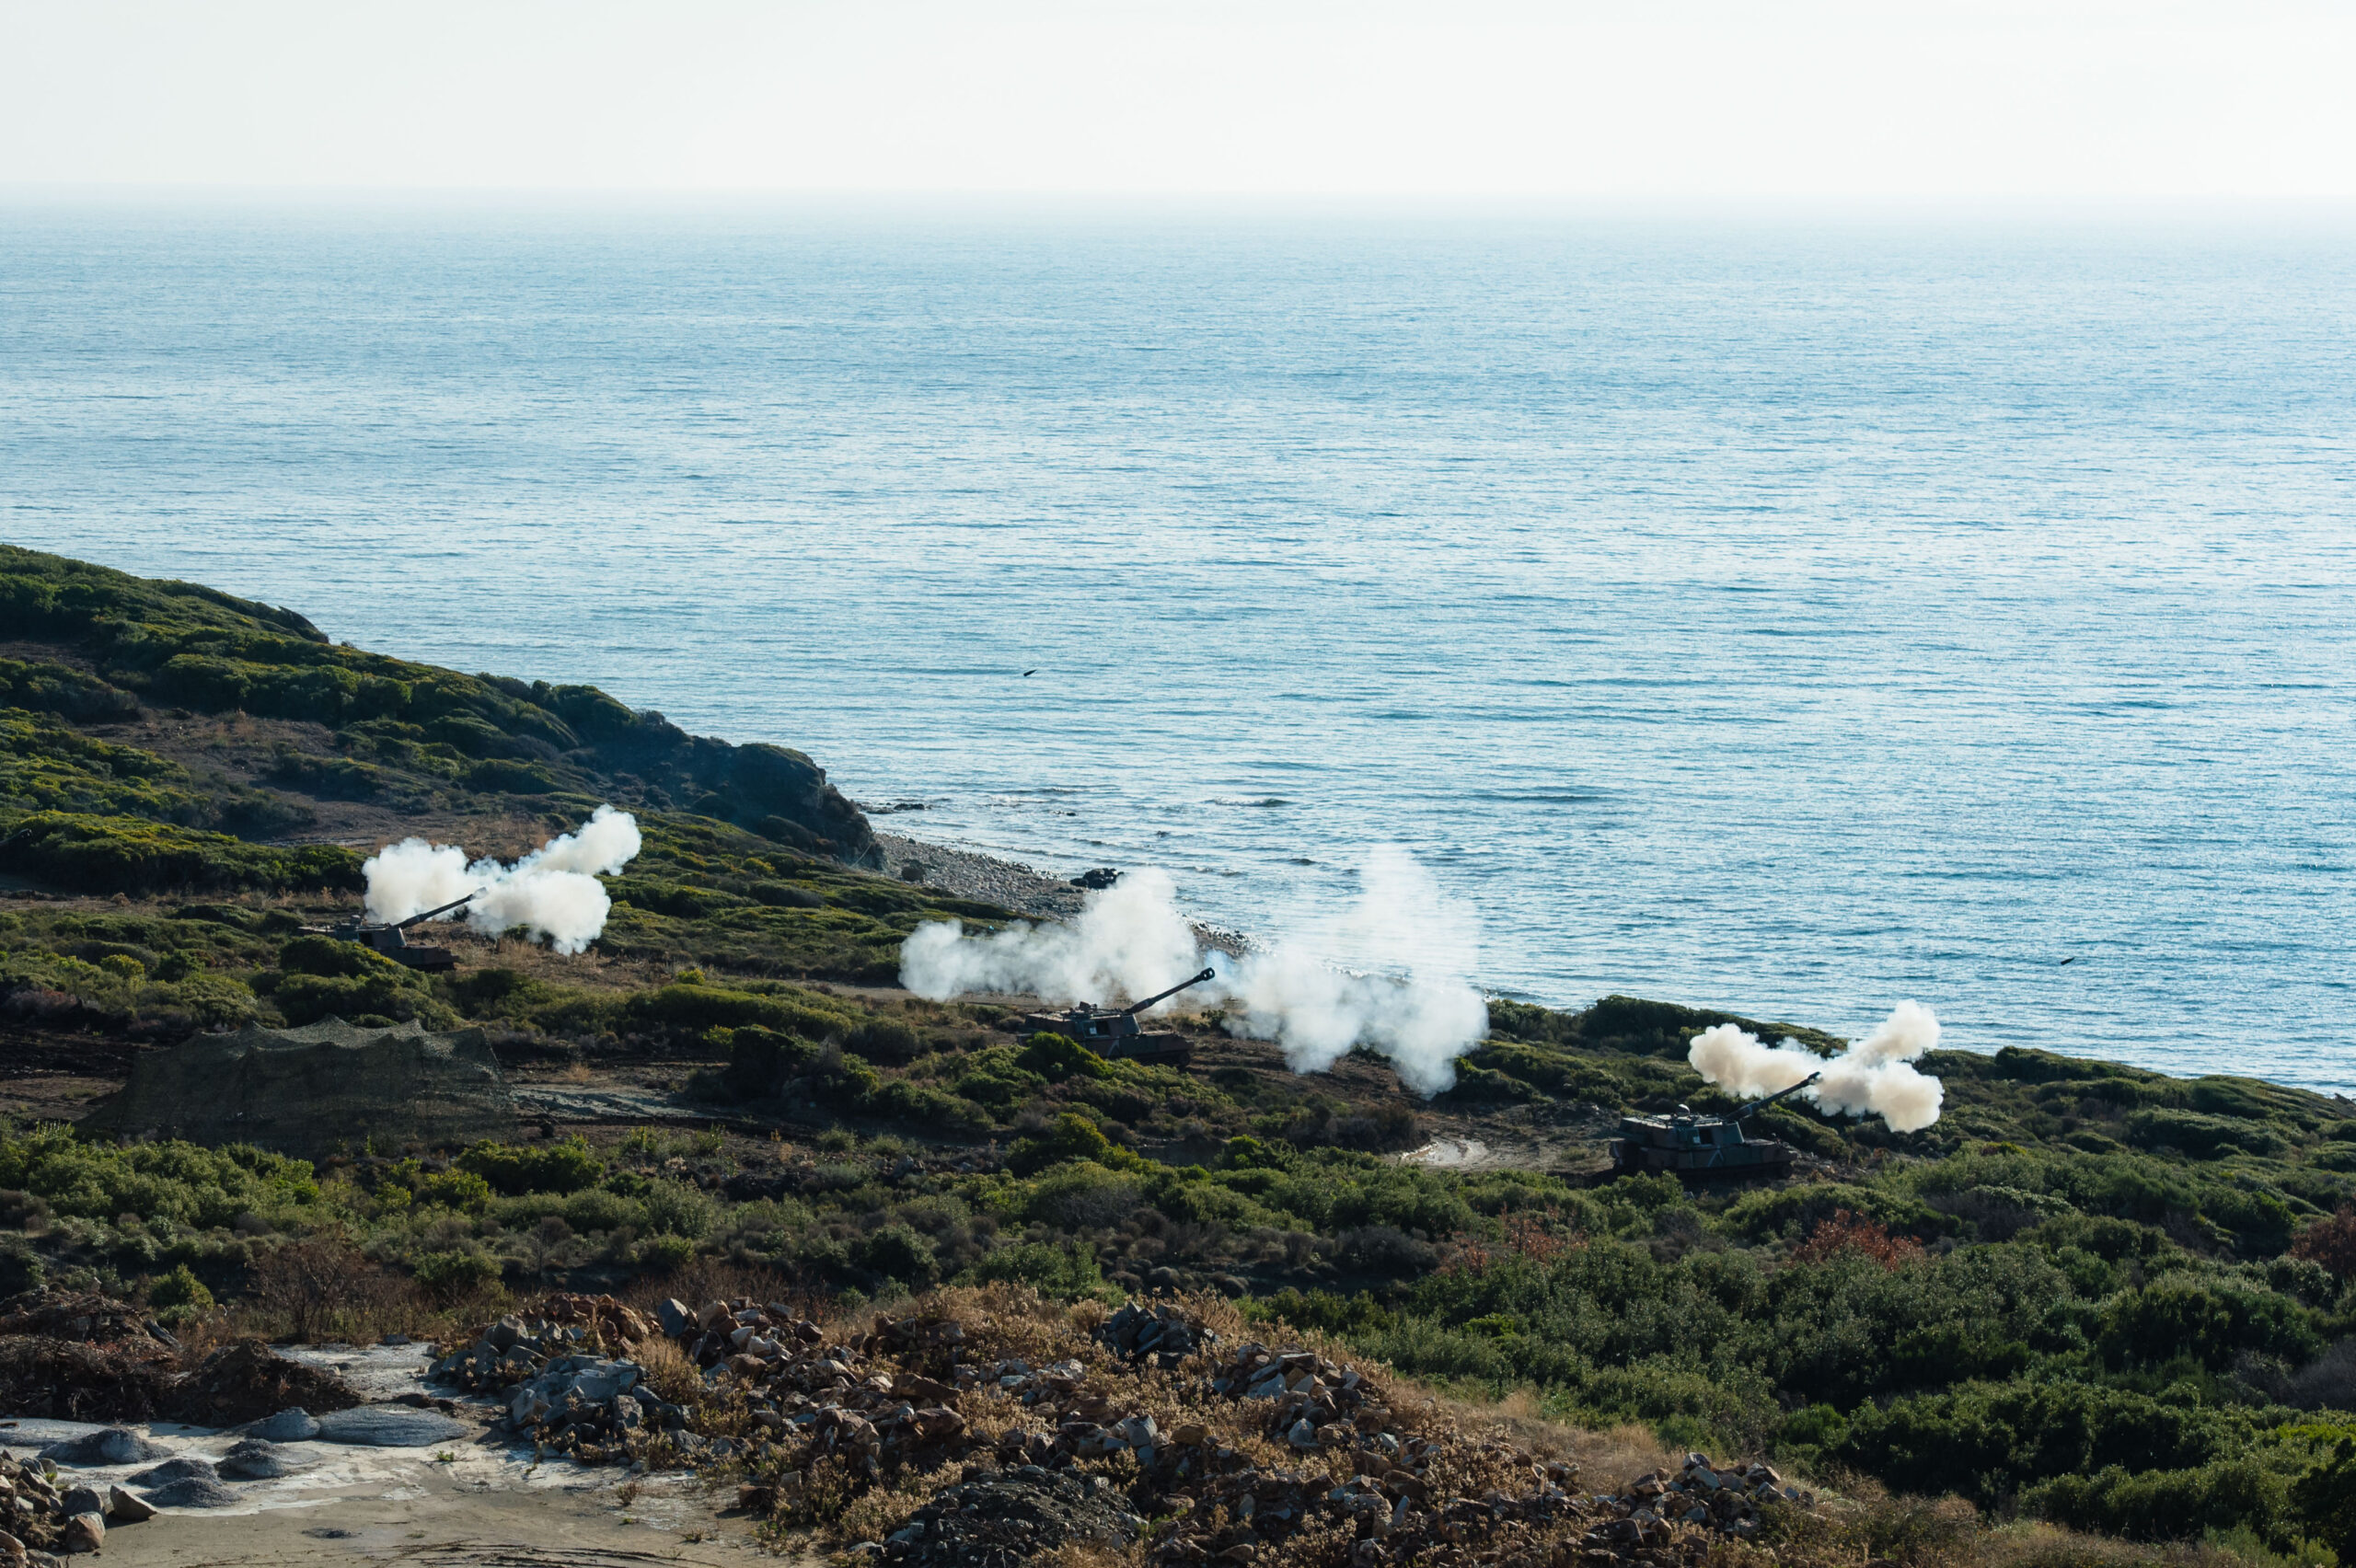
{"type": "Point", "coordinates": [445, 1515]}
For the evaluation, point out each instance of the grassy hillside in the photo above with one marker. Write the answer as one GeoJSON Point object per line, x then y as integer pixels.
{"type": "Point", "coordinates": [2099, 1295]}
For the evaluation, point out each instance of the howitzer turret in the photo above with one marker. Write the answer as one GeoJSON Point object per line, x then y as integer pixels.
{"type": "Point", "coordinates": [1116, 1033]}
{"type": "Point", "coordinates": [391, 939]}
{"type": "Point", "coordinates": [1704, 1146]}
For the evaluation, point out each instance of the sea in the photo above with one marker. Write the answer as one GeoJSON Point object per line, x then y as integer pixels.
{"type": "Point", "coordinates": [1785, 613]}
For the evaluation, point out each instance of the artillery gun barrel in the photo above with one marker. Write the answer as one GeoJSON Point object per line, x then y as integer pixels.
{"type": "Point", "coordinates": [428, 914]}
{"type": "Point", "coordinates": [1759, 1105]}
{"type": "Point", "coordinates": [1136, 1008]}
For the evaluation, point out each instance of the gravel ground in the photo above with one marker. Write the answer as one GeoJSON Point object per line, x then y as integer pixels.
{"type": "Point", "coordinates": [969, 875]}
{"type": "Point", "coordinates": [1023, 889]}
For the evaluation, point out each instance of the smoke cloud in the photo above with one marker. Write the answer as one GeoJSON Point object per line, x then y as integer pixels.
{"type": "Point", "coordinates": [553, 891]}
{"type": "Point", "coordinates": [1875, 1075]}
{"type": "Point", "coordinates": [1418, 1007]}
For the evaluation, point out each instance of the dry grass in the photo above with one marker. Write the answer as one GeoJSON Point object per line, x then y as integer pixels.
{"type": "Point", "coordinates": [1867, 1525]}
{"type": "Point", "coordinates": [1093, 1555]}
{"type": "Point", "coordinates": [668, 1371]}
{"type": "Point", "coordinates": [882, 1508]}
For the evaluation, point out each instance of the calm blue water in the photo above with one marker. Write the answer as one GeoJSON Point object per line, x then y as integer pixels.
{"type": "Point", "coordinates": [1792, 620]}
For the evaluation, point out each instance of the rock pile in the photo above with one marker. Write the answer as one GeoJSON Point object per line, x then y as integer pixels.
{"type": "Point", "coordinates": [813, 1400]}
{"type": "Point", "coordinates": [43, 1520]}
{"type": "Point", "coordinates": [1711, 1499]}
{"type": "Point", "coordinates": [990, 1520]}
{"type": "Point", "coordinates": [1134, 1333]}
{"type": "Point", "coordinates": [559, 1388]}
{"type": "Point", "coordinates": [1179, 1429]}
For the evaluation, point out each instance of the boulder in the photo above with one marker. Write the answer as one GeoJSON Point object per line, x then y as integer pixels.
{"type": "Point", "coordinates": [191, 1491]}
{"type": "Point", "coordinates": [109, 1446]}
{"type": "Point", "coordinates": [253, 1458]}
{"type": "Point", "coordinates": [293, 1425]}
{"type": "Point", "coordinates": [175, 1470]}
{"type": "Point", "coordinates": [126, 1509]}
{"type": "Point", "coordinates": [389, 1426]}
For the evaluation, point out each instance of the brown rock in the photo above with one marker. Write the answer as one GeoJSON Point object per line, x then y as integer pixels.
{"type": "Point", "coordinates": [935, 1424]}
{"type": "Point", "coordinates": [1407, 1483]}
{"type": "Point", "coordinates": [83, 1532]}
{"type": "Point", "coordinates": [125, 1509]}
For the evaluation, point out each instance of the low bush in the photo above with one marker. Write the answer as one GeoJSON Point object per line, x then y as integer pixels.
{"type": "Point", "coordinates": [453, 1276]}
{"type": "Point", "coordinates": [106, 855]}
{"type": "Point", "coordinates": [566, 1165]}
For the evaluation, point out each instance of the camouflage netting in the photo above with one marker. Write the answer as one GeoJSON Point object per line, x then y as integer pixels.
{"type": "Point", "coordinates": [314, 1090]}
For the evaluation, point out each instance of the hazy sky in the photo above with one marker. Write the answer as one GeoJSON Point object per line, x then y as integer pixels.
{"type": "Point", "coordinates": [1663, 98]}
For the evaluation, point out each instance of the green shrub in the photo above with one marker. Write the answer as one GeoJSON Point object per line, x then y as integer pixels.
{"type": "Point", "coordinates": [455, 1275]}
{"type": "Point", "coordinates": [502, 777]}
{"type": "Point", "coordinates": [70, 694]}
{"type": "Point", "coordinates": [1053, 1268]}
{"type": "Point", "coordinates": [461, 1190]}
{"type": "Point", "coordinates": [599, 1209]}
{"type": "Point", "coordinates": [393, 995]}
{"type": "Point", "coordinates": [664, 1252]}
{"type": "Point", "coordinates": [337, 960]}
{"type": "Point", "coordinates": [329, 778]}
{"type": "Point", "coordinates": [693, 1008]}
{"type": "Point", "coordinates": [2204, 1136]}
{"type": "Point", "coordinates": [168, 1180]}
{"type": "Point", "coordinates": [1056, 1057]}
{"type": "Point", "coordinates": [2167, 1504]}
{"type": "Point", "coordinates": [567, 1165]}
{"type": "Point", "coordinates": [180, 1292]}
{"type": "Point", "coordinates": [1085, 1195]}
{"type": "Point", "coordinates": [21, 1267]}
{"type": "Point", "coordinates": [901, 1252]}
{"type": "Point", "coordinates": [89, 854]}
{"type": "Point", "coordinates": [761, 1060]}
{"type": "Point", "coordinates": [675, 1208]}
{"type": "Point", "coordinates": [2324, 1498]}
{"type": "Point", "coordinates": [1988, 1440]}
{"type": "Point", "coordinates": [922, 1105]}
{"type": "Point", "coordinates": [2209, 1320]}
{"type": "Point", "coordinates": [1070, 1136]}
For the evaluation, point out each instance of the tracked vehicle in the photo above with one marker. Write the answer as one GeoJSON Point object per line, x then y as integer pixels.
{"type": "Point", "coordinates": [1704, 1146]}
{"type": "Point", "coordinates": [392, 938]}
{"type": "Point", "coordinates": [1118, 1034]}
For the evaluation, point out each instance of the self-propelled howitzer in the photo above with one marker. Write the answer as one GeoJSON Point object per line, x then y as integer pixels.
{"type": "Point", "coordinates": [1117, 1034]}
{"type": "Point", "coordinates": [1707, 1146]}
{"type": "Point", "coordinates": [391, 938]}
